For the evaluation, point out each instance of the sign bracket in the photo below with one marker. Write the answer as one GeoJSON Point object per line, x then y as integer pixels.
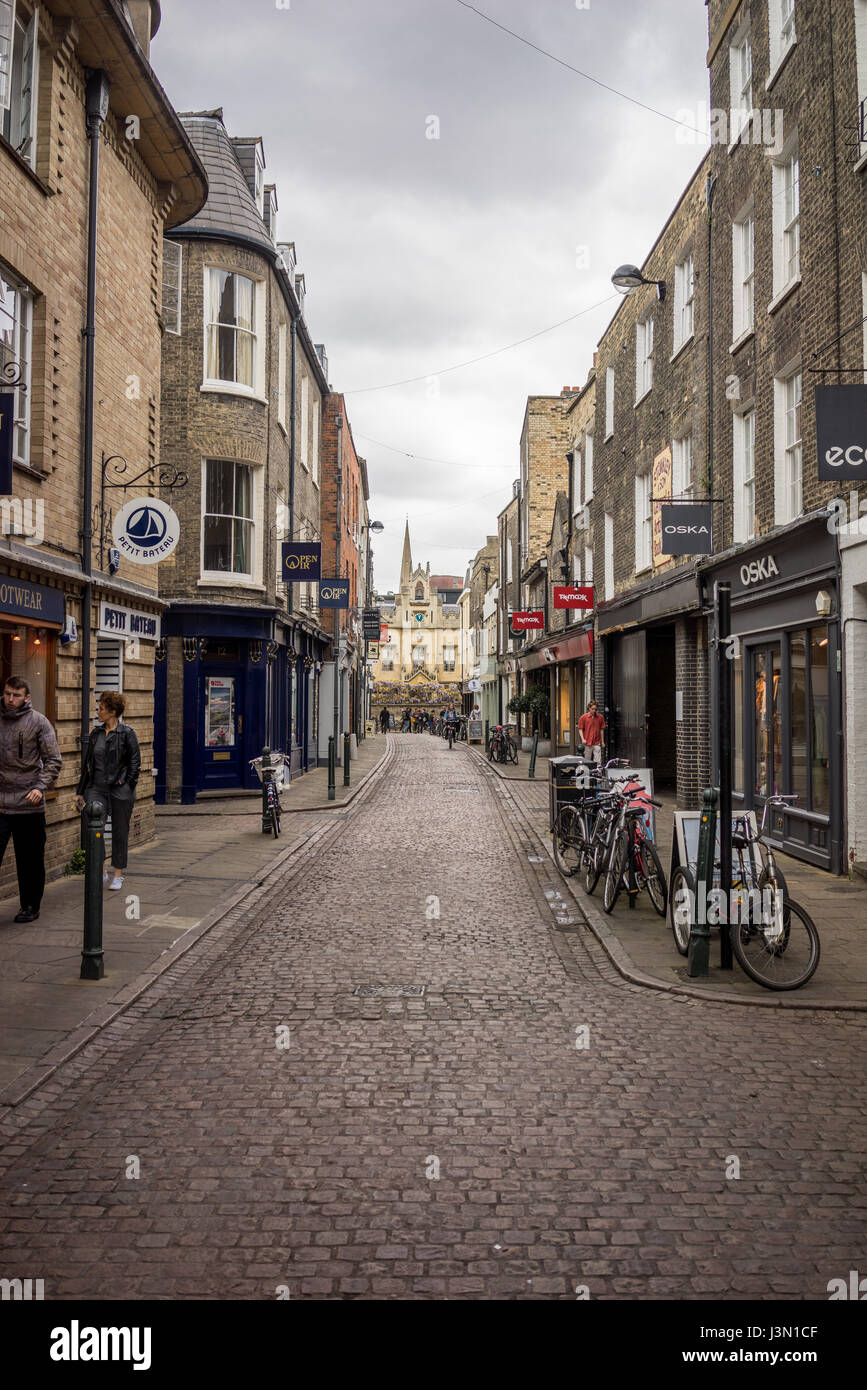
{"type": "Point", "coordinates": [169, 479]}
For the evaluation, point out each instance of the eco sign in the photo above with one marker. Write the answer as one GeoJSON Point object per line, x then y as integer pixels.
{"type": "Point", "coordinates": [841, 432]}
{"type": "Point", "coordinates": [146, 530]}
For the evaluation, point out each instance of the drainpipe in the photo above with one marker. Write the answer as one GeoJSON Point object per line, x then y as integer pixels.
{"type": "Point", "coordinates": [96, 110]}
{"type": "Point", "coordinates": [336, 611]}
{"type": "Point", "coordinates": [290, 681]}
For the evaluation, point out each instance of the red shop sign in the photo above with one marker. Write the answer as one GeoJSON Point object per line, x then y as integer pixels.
{"type": "Point", "coordinates": [573, 595]}
{"type": "Point", "coordinates": [535, 618]}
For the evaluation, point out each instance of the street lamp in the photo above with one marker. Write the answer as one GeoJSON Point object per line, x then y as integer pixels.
{"type": "Point", "coordinates": [628, 278]}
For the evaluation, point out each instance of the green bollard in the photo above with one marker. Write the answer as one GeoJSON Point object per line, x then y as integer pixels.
{"type": "Point", "coordinates": [92, 962]}
{"type": "Point", "coordinates": [331, 768]}
{"type": "Point", "coordinates": [346, 760]}
{"type": "Point", "coordinates": [699, 931]}
{"type": "Point", "coordinates": [266, 777]}
{"type": "Point", "coordinates": [487, 735]}
{"type": "Point", "coordinates": [533, 751]}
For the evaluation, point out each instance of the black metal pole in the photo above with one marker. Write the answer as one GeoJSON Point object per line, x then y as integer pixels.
{"type": "Point", "coordinates": [346, 758]}
{"type": "Point", "coordinates": [331, 768]}
{"type": "Point", "coordinates": [92, 959]}
{"type": "Point", "coordinates": [723, 618]}
{"type": "Point", "coordinates": [266, 777]}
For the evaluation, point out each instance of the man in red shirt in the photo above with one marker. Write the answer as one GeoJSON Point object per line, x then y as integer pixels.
{"type": "Point", "coordinates": [591, 728]}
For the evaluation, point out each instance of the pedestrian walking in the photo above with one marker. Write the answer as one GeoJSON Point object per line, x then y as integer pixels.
{"type": "Point", "coordinates": [29, 764]}
{"type": "Point", "coordinates": [384, 720]}
{"type": "Point", "coordinates": [591, 730]}
{"type": "Point", "coordinates": [109, 773]}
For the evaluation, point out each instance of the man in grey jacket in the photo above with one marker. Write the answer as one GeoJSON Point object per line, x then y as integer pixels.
{"type": "Point", "coordinates": [29, 763]}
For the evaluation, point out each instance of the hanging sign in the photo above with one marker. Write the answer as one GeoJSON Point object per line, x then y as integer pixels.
{"type": "Point", "coordinates": [687, 528]}
{"type": "Point", "coordinates": [383, 632]}
{"type": "Point", "coordinates": [535, 619]}
{"type": "Point", "coordinates": [146, 530]}
{"type": "Point", "coordinates": [302, 560]}
{"type": "Point", "coordinates": [573, 595]}
{"type": "Point", "coordinates": [660, 486]}
{"type": "Point", "coordinates": [334, 593]}
{"type": "Point", "coordinates": [841, 432]}
{"type": "Point", "coordinates": [7, 435]}
{"type": "Point", "coordinates": [371, 624]}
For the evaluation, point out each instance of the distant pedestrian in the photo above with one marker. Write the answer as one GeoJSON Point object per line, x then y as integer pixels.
{"type": "Point", "coordinates": [591, 730]}
{"type": "Point", "coordinates": [29, 764]}
{"type": "Point", "coordinates": [384, 720]}
{"type": "Point", "coordinates": [405, 725]}
{"type": "Point", "coordinates": [109, 773]}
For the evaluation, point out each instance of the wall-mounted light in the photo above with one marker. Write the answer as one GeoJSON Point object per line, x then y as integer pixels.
{"type": "Point", "coordinates": [823, 603]}
{"type": "Point", "coordinates": [628, 278]}
{"type": "Point", "coordinates": [40, 633]}
{"type": "Point", "coordinates": [18, 635]}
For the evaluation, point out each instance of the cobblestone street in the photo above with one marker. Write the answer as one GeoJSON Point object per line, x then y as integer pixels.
{"type": "Point", "coordinates": [528, 1124]}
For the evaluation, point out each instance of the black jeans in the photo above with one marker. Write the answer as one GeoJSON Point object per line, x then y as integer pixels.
{"type": "Point", "coordinates": [118, 803]}
{"type": "Point", "coordinates": [28, 837]}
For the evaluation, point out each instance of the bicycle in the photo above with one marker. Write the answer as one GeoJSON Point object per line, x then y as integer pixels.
{"type": "Point", "coordinates": [633, 859]}
{"type": "Point", "coordinates": [272, 784]}
{"type": "Point", "coordinates": [573, 828]}
{"type": "Point", "coordinates": [777, 945]}
{"type": "Point", "coordinates": [501, 746]}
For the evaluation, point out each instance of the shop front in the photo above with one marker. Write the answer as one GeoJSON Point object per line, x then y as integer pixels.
{"type": "Point", "coordinates": [787, 734]}
{"type": "Point", "coordinates": [565, 669]}
{"type": "Point", "coordinates": [31, 620]}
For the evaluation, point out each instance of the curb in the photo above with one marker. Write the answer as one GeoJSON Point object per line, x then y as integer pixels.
{"type": "Point", "coordinates": [30, 1080]}
{"type": "Point", "coordinates": [623, 964]}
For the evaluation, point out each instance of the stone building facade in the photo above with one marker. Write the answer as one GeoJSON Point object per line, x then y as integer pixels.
{"type": "Point", "coordinates": [421, 658]}
{"type": "Point", "coordinates": [242, 398]}
{"type": "Point", "coordinates": [149, 179]}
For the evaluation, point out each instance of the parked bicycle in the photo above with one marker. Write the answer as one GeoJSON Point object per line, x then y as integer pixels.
{"type": "Point", "coordinates": [775, 940]}
{"type": "Point", "coordinates": [633, 862]}
{"type": "Point", "coordinates": [576, 823]}
{"type": "Point", "coordinates": [273, 779]}
{"type": "Point", "coordinates": [502, 747]}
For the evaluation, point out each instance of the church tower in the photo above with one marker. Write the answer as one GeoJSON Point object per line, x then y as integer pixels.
{"type": "Point", "coordinates": [406, 562]}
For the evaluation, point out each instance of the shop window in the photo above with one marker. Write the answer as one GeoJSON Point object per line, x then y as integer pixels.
{"type": "Point", "coordinates": [798, 662]}
{"type": "Point", "coordinates": [738, 729]}
{"type": "Point", "coordinates": [109, 667]}
{"type": "Point", "coordinates": [820, 740]}
{"type": "Point", "coordinates": [29, 652]}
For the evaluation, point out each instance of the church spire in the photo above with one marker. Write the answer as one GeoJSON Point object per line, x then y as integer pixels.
{"type": "Point", "coordinates": [406, 563]}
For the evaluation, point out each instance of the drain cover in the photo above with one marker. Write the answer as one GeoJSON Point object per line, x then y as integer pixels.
{"type": "Point", "coordinates": [389, 991]}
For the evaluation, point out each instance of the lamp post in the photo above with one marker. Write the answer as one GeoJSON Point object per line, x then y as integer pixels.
{"type": "Point", "coordinates": [377, 527]}
{"type": "Point", "coordinates": [628, 278]}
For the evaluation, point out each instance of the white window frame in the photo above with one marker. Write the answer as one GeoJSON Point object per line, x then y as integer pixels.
{"type": "Point", "coordinates": [304, 398]}
{"type": "Point", "coordinates": [740, 86]}
{"type": "Point", "coordinates": [744, 477]}
{"type": "Point", "coordinates": [258, 334]}
{"type": "Point", "coordinates": [861, 70]}
{"type": "Point", "coordinates": [173, 264]}
{"type": "Point", "coordinates": [643, 523]}
{"type": "Point", "coordinates": [19, 80]}
{"type": "Point", "coordinates": [314, 442]}
{"type": "Point", "coordinates": [786, 219]}
{"type": "Point", "coordinates": [588, 564]}
{"type": "Point", "coordinates": [684, 301]}
{"type": "Point", "coordinates": [16, 347]}
{"type": "Point", "coordinates": [588, 467]}
{"type": "Point", "coordinates": [788, 446]}
{"type": "Point", "coordinates": [608, 553]}
{"type": "Point", "coordinates": [576, 568]}
{"type": "Point", "coordinates": [281, 377]}
{"type": "Point", "coordinates": [781, 32]}
{"type": "Point", "coordinates": [577, 472]}
{"type": "Point", "coordinates": [644, 343]}
{"type": "Point", "coordinates": [683, 470]}
{"type": "Point", "coordinates": [743, 273]}
{"type": "Point", "coordinates": [238, 578]}
{"type": "Point", "coordinates": [609, 402]}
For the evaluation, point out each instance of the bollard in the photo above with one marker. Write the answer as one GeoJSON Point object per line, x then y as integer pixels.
{"type": "Point", "coordinates": [487, 735]}
{"type": "Point", "coordinates": [533, 751]}
{"type": "Point", "coordinates": [266, 777]}
{"type": "Point", "coordinates": [346, 756]}
{"type": "Point", "coordinates": [699, 931]}
{"type": "Point", "coordinates": [331, 792]}
{"type": "Point", "coordinates": [92, 963]}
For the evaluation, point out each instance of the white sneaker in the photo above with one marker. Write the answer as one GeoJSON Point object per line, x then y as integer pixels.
{"type": "Point", "coordinates": [105, 877]}
{"type": "Point", "coordinates": [116, 882]}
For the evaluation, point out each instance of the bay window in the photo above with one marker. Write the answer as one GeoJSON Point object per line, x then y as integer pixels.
{"type": "Point", "coordinates": [227, 521]}
{"type": "Point", "coordinates": [233, 332]}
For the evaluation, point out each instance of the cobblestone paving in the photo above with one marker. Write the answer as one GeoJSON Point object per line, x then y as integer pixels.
{"type": "Point", "coordinates": [456, 1144]}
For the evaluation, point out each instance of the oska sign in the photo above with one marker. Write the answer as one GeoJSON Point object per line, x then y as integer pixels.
{"type": "Point", "coordinates": [686, 528]}
{"type": "Point", "coordinates": [841, 432]}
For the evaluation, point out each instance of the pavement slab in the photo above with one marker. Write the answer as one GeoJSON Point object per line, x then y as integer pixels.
{"type": "Point", "coordinates": [499, 1114]}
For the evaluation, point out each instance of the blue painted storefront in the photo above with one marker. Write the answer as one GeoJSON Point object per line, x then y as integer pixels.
{"type": "Point", "coordinates": [249, 681]}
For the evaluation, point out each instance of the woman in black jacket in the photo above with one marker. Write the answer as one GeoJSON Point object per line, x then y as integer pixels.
{"type": "Point", "coordinates": [110, 771]}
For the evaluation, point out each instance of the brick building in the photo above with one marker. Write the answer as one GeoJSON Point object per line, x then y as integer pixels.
{"type": "Point", "coordinates": [509, 642]}
{"type": "Point", "coordinates": [60, 60]}
{"type": "Point", "coordinates": [243, 387]}
{"type": "Point", "coordinates": [482, 581]}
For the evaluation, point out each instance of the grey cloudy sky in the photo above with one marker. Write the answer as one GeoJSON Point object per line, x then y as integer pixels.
{"type": "Point", "coordinates": [421, 253]}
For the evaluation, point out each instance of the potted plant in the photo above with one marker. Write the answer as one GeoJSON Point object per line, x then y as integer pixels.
{"type": "Point", "coordinates": [520, 705]}
{"type": "Point", "coordinates": [540, 705]}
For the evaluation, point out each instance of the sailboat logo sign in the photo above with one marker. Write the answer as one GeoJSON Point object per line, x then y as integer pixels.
{"type": "Point", "coordinates": [146, 530]}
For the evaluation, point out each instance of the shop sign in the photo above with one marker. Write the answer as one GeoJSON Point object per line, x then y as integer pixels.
{"type": "Point", "coordinates": [535, 618]}
{"type": "Point", "coordinates": [7, 433]}
{"type": "Point", "coordinates": [841, 432]}
{"type": "Point", "coordinates": [660, 486]}
{"type": "Point", "coordinates": [573, 595]}
{"type": "Point", "coordinates": [686, 528]}
{"type": "Point", "coordinates": [383, 632]}
{"type": "Point", "coordinates": [474, 686]}
{"type": "Point", "coordinates": [758, 571]}
{"type": "Point", "coordinates": [21, 599]}
{"type": "Point", "coordinates": [116, 620]}
{"type": "Point", "coordinates": [371, 624]}
{"type": "Point", "coordinates": [334, 593]}
{"type": "Point", "coordinates": [146, 530]}
{"type": "Point", "coordinates": [302, 560]}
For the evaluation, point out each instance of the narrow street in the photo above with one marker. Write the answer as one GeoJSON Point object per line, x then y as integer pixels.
{"type": "Point", "coordinates": [528, 1124]}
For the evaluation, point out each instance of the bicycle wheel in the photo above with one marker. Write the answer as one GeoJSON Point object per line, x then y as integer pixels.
{"type": "Point", "coordinates": [615, 870]}
{"type": "Point", "coordinates": [594, 858]}
{"type": "Point", "coordinates": [512, 750]}
{"type": "Point", "coordinates": [681, 902]}
{"type": "Point", "coordinates": [275, 821]}
{"type": "Point", "coordinates": [568, 841]}
{"type": "Point", "coordinates": [492, 750]}
{"type": "Point", "coordinates": [654, 876]}
{"type": "Point", "coordinates": [778, 955]}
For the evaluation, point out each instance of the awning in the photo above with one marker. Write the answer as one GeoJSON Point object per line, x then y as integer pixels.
{"type": "Point", "coordinates": [576, 648]}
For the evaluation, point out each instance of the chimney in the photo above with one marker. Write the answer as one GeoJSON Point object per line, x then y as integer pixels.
{"type": "Point", "coordinates": [144, 18]}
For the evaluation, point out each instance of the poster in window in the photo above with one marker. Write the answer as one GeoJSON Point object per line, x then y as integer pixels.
{"type": "Point", "coordinates": [660, 487]}
{"type": "Point", "coordinates": [220, 712]}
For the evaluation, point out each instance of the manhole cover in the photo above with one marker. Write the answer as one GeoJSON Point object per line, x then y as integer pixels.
{"type": "Point", "coordinates": [389, 991]}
